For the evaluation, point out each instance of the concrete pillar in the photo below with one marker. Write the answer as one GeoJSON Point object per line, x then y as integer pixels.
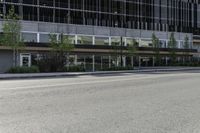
{"type": "Point", "coordinates": [93, 63]}
{"type": "Point", "coordinates": [166, 61]}
{"type": "Point", "coordinates": [54, 10]}
{"type": "Point", "coordinates": [84, 63]}
{"type": "Point", "coordinates": [139, 61]}
{"type": "Point", "coordinates": [75, 60]}
{"type": "Point", "coordinates": [124, 61]}
{"type": "Point", "coordinates": [117, 61]}
{"type": "Point", "coordinates": [101, 62]}
{"type": "Point", "coordinates": [132, 64]}
{"type": "Point", "coordinates": [109, 61]}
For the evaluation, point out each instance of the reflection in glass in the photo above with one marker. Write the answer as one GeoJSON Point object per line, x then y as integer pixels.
{"type": "Point", "coordinates": [29, 37]}
{"type": "Point", "coordinates": [85, 40]}
{"type": "Point", "coordinates": [101, 41]}
{"type": "Point", "coordinates": [145, 43]}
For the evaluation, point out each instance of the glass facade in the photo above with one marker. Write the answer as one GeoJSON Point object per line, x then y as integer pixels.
{"type": "Point", "coordinates": [161, 15]}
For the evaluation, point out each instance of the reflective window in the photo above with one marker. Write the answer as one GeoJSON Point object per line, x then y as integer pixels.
{"type": "Point", "coordinates": [46, 14]}
{"type": "Point", "coordinates": [25, 60]}
{"type": "Point", "coordinates": [71, 38]}
{"type": "Point", "coordinates": [85, 40]}
{"type": "Point", "coordinates": [44, 38]}
{"type": "Point", "coordinates": [145, 43]}
{"type": "Point", "coordinates": [130, 41]}
{"type": "Point", "coordinates": [29, 37]}
{"type": "Point", "coordinates": [116, 41]}
{"type": "Point", "coordinates": [163, 44]}
{"type": "Point", "coordinates": [101, 41]}
{"type": "Point", "coordinates": [34, 2]}
{"type": "Point", "coordinates": [30, 13]}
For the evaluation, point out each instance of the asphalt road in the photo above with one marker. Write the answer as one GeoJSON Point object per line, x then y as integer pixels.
{"type": "Point", "coordinates": [120, 103]}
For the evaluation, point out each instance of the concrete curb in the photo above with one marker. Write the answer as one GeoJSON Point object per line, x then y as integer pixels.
{"type": "Point", "coordinates": [74, 74]}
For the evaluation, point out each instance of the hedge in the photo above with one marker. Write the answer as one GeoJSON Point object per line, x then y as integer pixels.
{"type": "Point", "coordinates": [32, 69]}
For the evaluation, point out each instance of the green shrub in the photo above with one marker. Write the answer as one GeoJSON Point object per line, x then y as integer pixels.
{"type": "Point", "coordinates": [32, 69]}
{"type": "Point", "coordinates": [117, 68]}
{"type": "Point", "coordinates": [74, 69]}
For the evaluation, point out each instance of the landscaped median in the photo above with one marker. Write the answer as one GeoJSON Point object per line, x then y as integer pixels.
{"type": "Point", "coordinates": [66, 74]}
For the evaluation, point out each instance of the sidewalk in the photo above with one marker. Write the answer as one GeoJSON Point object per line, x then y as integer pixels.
{"type": "Point", "coordinates": [65, 74]}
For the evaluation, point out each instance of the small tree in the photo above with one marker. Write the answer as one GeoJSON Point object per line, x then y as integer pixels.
{"type": "Point", "coordinates": [186, 46]}
{"type": "Point", "coordinates": [156, 48]}
{"type": "Point", "coordinates": [61, 48]}
{"type": "Point", "coordinates": [132, 50]}
{"type": "Point", "coordinates": [11, 33]}
{"type": "Point", "coordinates": [117, 51]}
{"type": "Point", "coordinates": [172, 44]}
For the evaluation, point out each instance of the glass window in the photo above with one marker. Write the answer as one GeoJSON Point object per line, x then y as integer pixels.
{"type": "Point", "coordinates": [29, 13]}
{"type": "Point", "coordinates": [44, 38]}
{"type": "Point", "coordinates": [29, 37]}
{"type": "Point", "coordinates": [116, 41]}
{"type": "Point", "coordinates": [32, 2]}
{"type": "Point", "coordinates": [71, 38]}
{"type": "Point", "coordinates": [163, 44]}
{"type": "Point", "coordinates": [85, 40]}
{"type": "Point", "coordinates": [25, 60]}
{"type": "Point", "coordinates": [61, 3]}
{"type": "Point", "coordinates": [145, 43]}
{"type": "Point", "coordinates": [130, 41]}
{"type": "Point", "coordinates": [46, 14]}
{"type": "Point", "coordinates": [105, 62]}
{"type": "Point", "coordinates": [101, 40]}
{"type": "Point", "coordinates": [46, 2]}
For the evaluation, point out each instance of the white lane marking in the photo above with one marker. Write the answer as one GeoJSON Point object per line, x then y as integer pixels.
{"type": "Point", "coordinates": [91, 82]}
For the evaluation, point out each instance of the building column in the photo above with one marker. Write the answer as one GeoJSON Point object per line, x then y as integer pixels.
{"type": "Point", "coordinates": [153, 61]}
{"type": "Point", "coordinates": [132, 64]}
{"type": "Point", "coordinates": [139, 61]}
{"type": "Point", "coordinates": [84, 63]}
{"type": "Point", "coordinates": [21, 9]}
{"type": "Point", "coordinates": [54, 11]}
{"type": "Point", "coordinates": [166, 61]}
{"type": "Point", "coordinates": [75, 60]}
{"type": "Point", "coordinates": [124, 61]}
{"type": "Point", "coordinates": [109, 61]}
{"type": "Point", "coordinates": [93, 63]}
{"type": "Point", "coordinates": [101, 62]}
{"type": "Point", "coordinates": [38, 11]}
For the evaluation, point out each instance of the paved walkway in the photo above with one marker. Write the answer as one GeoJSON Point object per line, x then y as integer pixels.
{"type": "Point", "coordinates": [63, 74]}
